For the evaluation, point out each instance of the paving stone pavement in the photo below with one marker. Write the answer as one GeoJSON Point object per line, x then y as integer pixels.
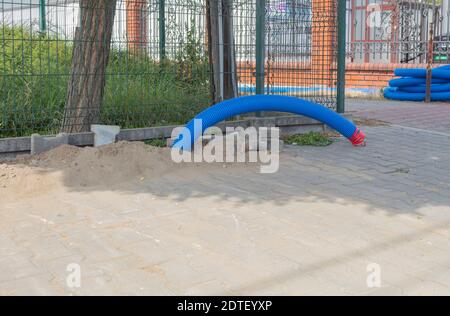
{"type": "Point", "coordinates": [433, 116]}
{"type": "Point", "coordinates": [318, 226]}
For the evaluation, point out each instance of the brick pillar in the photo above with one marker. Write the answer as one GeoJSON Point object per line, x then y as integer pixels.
{"type": "Point", "coordinates": [323, 40]}
{"type": "Point", "coordinates": [137, 17]}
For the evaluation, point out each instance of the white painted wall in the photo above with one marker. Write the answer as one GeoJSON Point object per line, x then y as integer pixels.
{"type": "Point", "coordinates": [63, 17]}
{"type": "Point", "coordinates": [60, 20]}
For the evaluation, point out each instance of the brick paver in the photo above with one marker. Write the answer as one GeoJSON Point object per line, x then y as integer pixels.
{"type": "Point", "coordinates": [312, 228]}
{"type": "Point", "coordinates": [434, 116]}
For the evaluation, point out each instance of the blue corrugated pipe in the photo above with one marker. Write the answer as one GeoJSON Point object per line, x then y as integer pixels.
{"type": "Point", "coordinates": [243, 105]}
{"type": "Point", "coordinates": [396, 94]}
{"type": "Point", "coordinates": [412, 85]}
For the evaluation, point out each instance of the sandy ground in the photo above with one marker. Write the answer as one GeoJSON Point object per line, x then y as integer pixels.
{"type": "Point", "coordinates": [136, 223]}
{"type": "Point", "coordinates": [110, 166]}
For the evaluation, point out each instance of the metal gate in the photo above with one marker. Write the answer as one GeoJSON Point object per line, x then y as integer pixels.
{"type": "Point", "coordinates": [398, 31]}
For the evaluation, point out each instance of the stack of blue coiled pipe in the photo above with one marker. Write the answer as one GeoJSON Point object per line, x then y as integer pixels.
{"type": "Point", "coordinates": [412, 85]}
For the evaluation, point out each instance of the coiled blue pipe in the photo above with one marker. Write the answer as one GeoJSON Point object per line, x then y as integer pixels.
{"type": "Point", "coordinates": [396, 94]}
{"type": "Point", "coordinates": [437, 73]}
{"type": "Point", "coordinates": [423, 88]}
{"type": "Point", "coordinates": [412, 85]}
{"type": "Point", "coordinates": [230, 108]}
{"type": "Point", "coordinates": [410, 82]}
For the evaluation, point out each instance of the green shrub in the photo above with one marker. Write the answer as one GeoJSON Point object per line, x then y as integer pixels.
{"type": "Point", "coordinates": [192, 62]}
{"type": "Point", "coordinates": [33, 70]}
{"type": "Point", "coordinates": [310, 139]}
{"type": "Point", "coordinates": [158, 142]}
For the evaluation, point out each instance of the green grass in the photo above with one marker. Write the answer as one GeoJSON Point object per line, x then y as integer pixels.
{"type": "Point", "coordinates": [139, 92]}
{"type": "Point", "coordinates": [310, 139]}
{"type": "Point", "coordinates": [159, 142]}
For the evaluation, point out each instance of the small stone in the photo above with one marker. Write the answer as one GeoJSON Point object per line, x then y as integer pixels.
{"type": "Point", "coordinates": [40, 144]}
{"type": "Point", "coordinates": [104, 134]}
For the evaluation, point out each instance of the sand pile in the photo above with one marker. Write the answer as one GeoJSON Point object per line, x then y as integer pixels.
{"type": "Point", "coordinates": [112, 166]}
{"type": "Point", "coordinates": [108, 165]}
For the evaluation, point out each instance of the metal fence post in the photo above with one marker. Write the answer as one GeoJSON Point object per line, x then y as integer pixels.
{"type": "Point", "coordinates": [260, 45]}
{"type": "Point", "coordinates": [42, 16]}
{"type": "Point", "coordinates": [430, 55]}
{"type": "Point", "coordinates": [342, 12]}
{"type": "Point", "coordinates": [162, 30]}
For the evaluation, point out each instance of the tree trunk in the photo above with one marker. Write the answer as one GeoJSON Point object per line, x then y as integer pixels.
{"type": "Point", "coordinates": [220, 36]}
{"type": "Point", "coordinates": [229, 53]}
{"type": "Point", "coordinates": [89, 61]}
{"type": "Point", "coordinates": [212, 21]}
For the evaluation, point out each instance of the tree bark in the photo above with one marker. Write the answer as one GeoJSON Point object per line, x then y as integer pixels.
{"type": "Point", "coordinates": [229, 54]}
{"type": "Point", "coordinates": [91, 50]}
{"type": "Point", "coordinates": [221, 40]}
{"type": "Point", "coordinates": [212, 22]}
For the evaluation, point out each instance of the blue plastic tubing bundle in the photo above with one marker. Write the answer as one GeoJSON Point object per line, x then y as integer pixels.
{"type": "Point", "coordinates": [274, 103]}
{"type": "Point", "coordinates": [412, 85]}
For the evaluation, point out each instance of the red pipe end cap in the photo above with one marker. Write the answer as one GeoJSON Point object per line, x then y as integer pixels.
{"type": "Point", "coordinates": [358, 139]}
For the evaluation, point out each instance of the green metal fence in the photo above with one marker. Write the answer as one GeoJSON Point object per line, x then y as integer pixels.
{"type": "Point", "coordinates": [164, 65]}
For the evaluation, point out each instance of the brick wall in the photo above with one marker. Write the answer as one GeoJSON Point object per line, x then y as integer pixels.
{"type": "Point", "coordinates": [360, 76]}
{"type": "Point", "coordinates": [323, 39]}
{"type": "Point", "coordinates": [137, 25]}
{"type": "Point", "coordinates": [374, 76]}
